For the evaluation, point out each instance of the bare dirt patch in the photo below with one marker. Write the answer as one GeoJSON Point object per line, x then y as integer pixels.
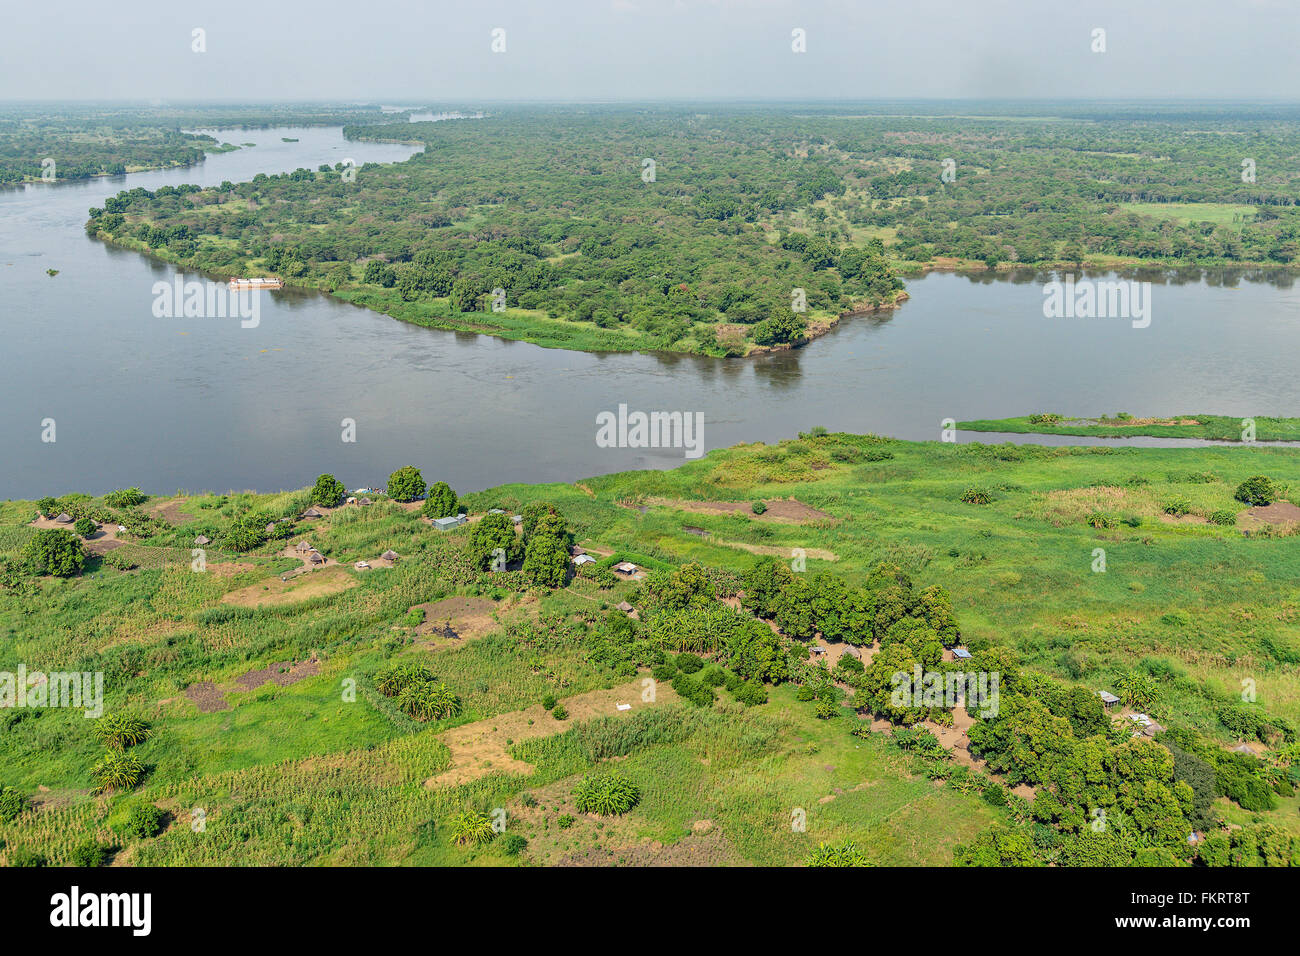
{"type": "Point", "coordinates": [280, 591]}
{"type": "Point", "coordinates": [480, 748]}
{"type": "Point", "coordinates": [454, 620]}
{"type": "Point", "coordinates": [1278, 513]}
{"type": "Point", "coordinates": [282, 674]}
{"type": "Point", "coordinates": [170, 511]}
{"type": "Point", "coordinates": [207, 697]}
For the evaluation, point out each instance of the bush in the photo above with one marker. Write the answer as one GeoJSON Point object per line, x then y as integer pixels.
{"type": "Point", "coordinates": [125, 498]}
{"type": "Point", "coordinates": [826, 709]}
{"type": "Point", "coordinates": [664, 671]}
{"type": "Point", "coordinates": [548, 701]}
{"type": "Point", "coordinates": [120, 731]}
{"type": "Point", "coordinates": [976, 496]}
{"type": "Point", "coordinates": [54, 551]}
{"type": "Point", "coordinates": [566, 820]}
{"type": "Point", "coordinates": [560, 713]}
{"type": "Point", "coordinates": [758, 507]}
{"type": "Point", "coordinates": [1045, 418]}
{"type": "Point", "coordinates": [751, 693]}
{"type": "Point", "coordinates": [469, 828]}
{"type": "Point", "coordinates": [119, 561]}
{"type": "Point", "coordinates": [397, 678]}
{"type": "Point", "coordinates": [1177, 506]}
{"type": "Point", "coordinates": [689, 663]}
{"type": "Point", "coordinates": [429, 701]}
{"type": "Point", "coordinates": [85, 527]}
{"type": "Point", "coordinates": [1223, 517]}
{"type": "Point", "coordinates": [1101, 520]}
{"type": "Point", "coordinates": [713, 676]}
{"type": "Point", "coordinates": [12, 803]}
{"type": "Point", "coordinates": [88, 853]}
{"type": "Point", "coordinates": [1257, 490]}
{"type": "Point", "coordinates": [117, 771]}
{"type": "Point", "coordinates": [328, 492]}
{"type": "Point", "coordinates": [609, 794]}
{"type": "Point", "coordinates": [406, 484]}
{"type": "Point", "coordinates": [145, 821]}
{"type": "Point", "coordinates": [513, 844]}
{"type": "Point", "coordinates": [846, 854]}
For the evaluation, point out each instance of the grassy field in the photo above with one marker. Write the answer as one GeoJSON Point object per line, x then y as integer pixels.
{"type": "Point", "coordinates": [1211, 427]}
{"type": "Point", "coordinates": [1229, 215]}
{"type": "Point", "coordinates": [310, 764]}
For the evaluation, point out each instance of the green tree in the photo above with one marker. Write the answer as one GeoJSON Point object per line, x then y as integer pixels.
{"type": "Point", "coordinates": [55, 551]}
{"type": "Point", "coordinates": [441, 501]}
{"type": "Point", "coordinates": [328, 492]}
{"type": "Point", "coordinates": [406, 484]}
{"type": "Point", "coordinates": [493, 534]}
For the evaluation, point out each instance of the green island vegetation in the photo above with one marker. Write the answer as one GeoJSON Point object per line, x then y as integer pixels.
{"type": "Point", "coordinates": [1124, 425]}
{"type": "Point", "coordinates": [594, 249]}
{"type": "Point", "coordinates": [295, 679]}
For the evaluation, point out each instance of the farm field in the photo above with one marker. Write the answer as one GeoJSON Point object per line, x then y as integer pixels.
{"type": "Point", "coordinates": [436, 707]}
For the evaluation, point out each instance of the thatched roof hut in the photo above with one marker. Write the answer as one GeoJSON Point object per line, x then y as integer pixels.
{"type": "Point", "coordinates": [316, 558]}
{"type": "Point", "coordinates": [202, 539]}
{"type": "Point", "coordinates": [64, 518]}
{"type": "Point", "coordinates": [389, 555]}
{"type": "Point", "coordinates": [304, 546]}
{"type": "Point", "coordinates": [313, 512]}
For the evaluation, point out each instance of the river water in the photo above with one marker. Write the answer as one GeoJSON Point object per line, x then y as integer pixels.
{"type": "Point", "coordinates": [175, 403]}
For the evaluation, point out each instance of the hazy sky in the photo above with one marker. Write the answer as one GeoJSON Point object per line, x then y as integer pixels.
{"type": "Point", "coordinates": [403, 50]}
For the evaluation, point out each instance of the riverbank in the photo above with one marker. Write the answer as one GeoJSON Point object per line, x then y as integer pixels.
{"type": "Point", "coordinates": [1207, 427]}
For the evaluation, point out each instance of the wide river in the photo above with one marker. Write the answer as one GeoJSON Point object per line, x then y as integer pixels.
{"type": "Point", "coordinates": [195, 404]}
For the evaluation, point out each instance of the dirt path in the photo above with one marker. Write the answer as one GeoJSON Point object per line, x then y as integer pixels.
{"type": "Point", "coordinates": [479, 749]}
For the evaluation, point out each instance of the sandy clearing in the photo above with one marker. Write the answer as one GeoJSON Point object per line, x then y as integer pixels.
{"type": "Point", "coordinates": [275, 591]}
{"type": "Point", "coordinates": [479, 748]}
{"type": "Point", "coordinates": [820, 554]}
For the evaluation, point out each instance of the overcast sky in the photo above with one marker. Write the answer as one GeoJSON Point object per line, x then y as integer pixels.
{"type": "Point", "coordinates": [437, 51]}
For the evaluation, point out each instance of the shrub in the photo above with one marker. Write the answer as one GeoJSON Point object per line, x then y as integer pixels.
{"type": "Point", "coordinates": [560, 713]}
{"type": "Point", "coordinates": [469, 828]}
{"type": "Point", "coordinates": [55, 551]}
{"type": "Point", "coordinates": [125, 498]}
{"type": "Point", "coordinates": [429, 701]}
{"type": "Point", "coordinates": [120, 731]}
{"type": "Point", "coordinates": [976, 496]}
{"type": "Point", "coordinates": [1223, 517]}
{"type": "Point", "coordinates": [117, 771]}
{"type": "Point", "coordinates": [145, 821]}
{"type": "Point", "coordinates": [689, 663]}
{"type": "Point", "coordinates": [328, 492]}
{"type": "Point", "coordinates": [692, 690]}
{"type": "Point", "coordinates": [406, 484]}
{"type": "Point", "coordinates": [397, 678]}
{"type": "Point", "coordinates": [1045, 418]}
{"type": "Point", "coordinates": [12, 803]}
{"type": "Point", "coordinates": [119, 561]}
{"type": "Point", "coordinates": [825, 709]}
{"type": "Point", "coordinates": [847, 854]}
{"type": "Point", "coordinates": [751, 693]}
{"type": "Point", "coordinates": [1177, 506]}
{"type": "Point", "coordinates": [88, 853]}
{"type": "Point", "coordinates": [608, 794]}
{"type": "Point", "coordinates": [758, 507]}
{"type": "Point", "coordinates": [548, 701]}
{"type": "Point", "coordinates": [713, 676]}
{"type": "Point", "coordinates": [513, 844]}
{"type": "Point", "coordinates": [664, 671]}
{"type": "Point", "coordinates": [1101, 520]}
{"type": "Point", "coordinates": [85, 527]}
{"type": "Point", "coordinates": [566, 820]}
{"type": "Point", "coordinates": [1257, 490]}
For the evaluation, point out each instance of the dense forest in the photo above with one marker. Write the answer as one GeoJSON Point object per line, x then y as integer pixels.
{"type": "Point", "coordinates": [657, 228]}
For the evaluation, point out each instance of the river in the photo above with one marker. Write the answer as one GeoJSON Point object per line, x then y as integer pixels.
{"type": "Point", "coordinates": [195, 404]}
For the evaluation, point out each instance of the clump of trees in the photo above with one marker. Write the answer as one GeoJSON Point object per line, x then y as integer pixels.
{"type": "Point", "coordinates": [328, 492]}
{"type": "Point", "coordinates": [54, 551]}
{"type": "Point", "coordinates": [417, 692]}
{"type": "Point", "coordinates": [406, 484]}
{"type": "Point", "coordinates": [441, 501]}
